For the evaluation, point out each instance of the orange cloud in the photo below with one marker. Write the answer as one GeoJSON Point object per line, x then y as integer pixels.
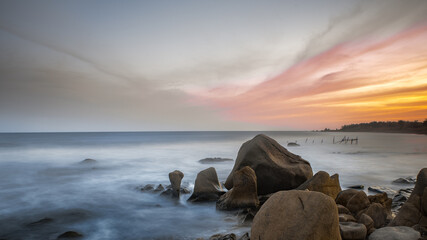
{"type": "Point", "coordinates": [364, 80]}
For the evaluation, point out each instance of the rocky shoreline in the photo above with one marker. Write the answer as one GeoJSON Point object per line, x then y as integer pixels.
{"type": "Point", "coordinates": [275, 191]}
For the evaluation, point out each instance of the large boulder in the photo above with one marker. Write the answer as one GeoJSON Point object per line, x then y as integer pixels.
{"type": "Point", "coordinates": [395, 233]}
{"type": "Point", "coordinates": [322, 182]}
{"type": "Point", "coordinates": [276, 168]}
{"type": "Point", "coordinates": [298, 215]}
{"type": "Point", "coordinates": [343, 197]}
{"type": "Point", "coordinates": [175, 178]}
{"type": "Point", "coordinates": [244, 192]}
{"type": "Point", "coordinates": [378, 214]}
{"type": "Point", "coordinates": [206, 187]}
{"type": "Point", "coordinates": [357, 202]}
{"type": "Point", "coordinates": [413, 211]}
{"type": "Point", "coordinates": [352, 231]}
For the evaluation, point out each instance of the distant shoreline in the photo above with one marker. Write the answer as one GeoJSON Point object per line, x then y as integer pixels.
{"type": "Point", "coordinates": [400, 126]}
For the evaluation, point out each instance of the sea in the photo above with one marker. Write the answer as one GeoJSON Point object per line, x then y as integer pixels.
{"type": "Point", "coordinates": [45, 190]}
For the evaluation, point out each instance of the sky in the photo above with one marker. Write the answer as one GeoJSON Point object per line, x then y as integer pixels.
{"type": "Point", "coordinates": [103, 65]}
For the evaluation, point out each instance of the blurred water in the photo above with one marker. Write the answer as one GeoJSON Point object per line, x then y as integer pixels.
{"type": "Point", "coordinates": [40, 178]}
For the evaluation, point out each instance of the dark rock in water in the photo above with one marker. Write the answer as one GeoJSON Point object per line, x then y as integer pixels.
{"type": "Point", "coordinates": [230, 236]}
{"type": "Point", "coordinates": [159, 188]}
{"type": "Point", "coordinates": [244, 191]}
{"type": "Point", "coordinates": [407, 180]}
{"type": "Point", "coordinates": [414, 211]}
{"type": "Point", "coordinates": [322, 182]}
{"type": "Point", "coordinates": [400, 198]}
{"type": "Point", "coordinates": [70, 235]}
{"type": "Point", "coordinates": [185, 190]}
{"type": "Point", "coordinates": [293, 144]}
{"type": "Point", "coordinates": [88, 161]}
{"type": "Point", "coordinates": [215, 160]}
{"type": "Point", "coordinates": [275, 167]}
{"type": "Point", "coordinates": [245, 237]}
{"type": "Point", "coordinates": [395, 233]}
{"type": "Point", "coordinates": [297, 214]}
{"type": "Point", "coordinates": [356, 187]}
{"type": "Point", "coordinates": [40, 222]}
{"type": "Point", "coordinates": [206, 187]}
{"type": "Point", "coordinates": [352, 231]}
{"type": "Point", "coordinates": [175, 178]}
{"type": "Point", "coordinates": [379, 189]}
{"type": "Point", "coordinates": [148, 187]}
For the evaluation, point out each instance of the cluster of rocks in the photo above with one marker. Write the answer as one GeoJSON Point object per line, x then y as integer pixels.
{"type": "Point", "coordinates": [276, 190]}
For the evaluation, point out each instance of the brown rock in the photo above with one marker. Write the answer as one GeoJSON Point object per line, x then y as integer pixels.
{"type": "Point", "coordinates": [343, 196]}
{"type": "Point", "coordinates": [322, 182]}
{"type": "Point", "coordinates": [414, 208]}
{"type": "Point", "coordinates": [342, 209]}
{"type": "Point", "coordinates": [366, 220]}
{"type": "Point", "coordinates": [175, 178]}
{"type": "Point", "coordinates": [357, 202]}
{"type": "Point", "coordinates": [352, 231]}
{"type": "Point", "coordinates": [206, 186]}
{"type": "Point", "coordinates": [243, 194]}
{"type": "Point", "coordinates": [346, 218]}
{"type": "Point", "coordinates": [378, 213]}
{"type": "Point", "coordinates": [276, 168]}
{"type": "Point", "coordinates": [383, 199]}
{"type": "Point", "coordinates": [298, 215]}
{"type": "Point", "coordinates": [424, 202]}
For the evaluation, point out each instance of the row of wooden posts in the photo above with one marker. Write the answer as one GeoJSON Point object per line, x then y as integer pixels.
{"type": "Point", "coordinates": [344, 140]}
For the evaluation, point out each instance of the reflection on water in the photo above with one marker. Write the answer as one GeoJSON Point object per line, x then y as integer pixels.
{"type": "Point", "coordinates": [44, 191]}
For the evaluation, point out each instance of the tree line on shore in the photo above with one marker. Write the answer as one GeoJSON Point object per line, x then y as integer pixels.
{"type": "Point", "coordinates": [388, 126]}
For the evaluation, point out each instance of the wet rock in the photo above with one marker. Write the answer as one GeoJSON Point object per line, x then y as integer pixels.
{"type": "Point", "coordinates": [245, 237]}
{"type": "Point", "coordinates": [147, 188]}
{"type": "Point", "coordinates": [40, 222]}
{"type": "Point", "coordinates": [413, 211]}
{"type": "Point", "coordinates": [230, 236]}
{"type": "Point", "coordinates": [352, 231]}
{"type": "Point", "coordinates": [244, 191]}
{"type": "Point", "coordinates": [159, 188]}
{"type": "Point", "coordinates": [297, 214]}
{"type": "Point", "coordinates": [293, 144]}
{"type": "Point", "coordinates": [357, 202]}
{"type": "Point", "coordinates": [88, 161]}
{"type": "Point", "coordinates": [379, 189]}
{"type": "Point", "coordinates": [407, 180]}
{"type": "Point", "coordinates": [360, 187]}
{"type": "Point", "coordinates": [276, 168]}
{"type": "Point", "coordinates": [215, 160]}
{"type": "Point", "coordinates": [70, 235]}
{"type": "Point", "coordinates": [395, 233]}
{"type": "Point", "coordinates": [400, 198]}
{"type": "Point", "coordinates": [175, 178]}
{"type": "Point", "coordinates": [344, 196]}
{"type": "Point", "coordinates": [322, 182]}
{"type": "Point", "coordinates": [206, 187]}
{"type": "Point", "coordinates": [346, 218]}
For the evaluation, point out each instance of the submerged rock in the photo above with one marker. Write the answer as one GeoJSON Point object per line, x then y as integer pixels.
{"type": "Point", "coordinates": [40, 222]}
{"type": "Point", "coordinates": [395, 233]}
{"type": "Point", "coordinates": [360, 187]}
{"type": "Point", "coordinates": [244, 191]}
{"type": "Point", "coordinates": [215, 160]}
{"type": "Point", "coordinates": [322, 182]}
{"type": "Point", "coordinates": [407, 180]}
{"type": "Point", "coordinates": [275, 167]}
{"type": "Point", "coordinates": [379, 189]}
{"type": "Point", "coordinates": [70, 235]}
{"type": "Point", "coordinates": [88, 161]}
{"type": "Point", "coordinates": [230, 236]}
{"type": "Point", "coordinates": [297, 214]}
{"type": "Point", "coordinates": [293, 144]}
{"type": "Point", "coordinates": [206, 186]}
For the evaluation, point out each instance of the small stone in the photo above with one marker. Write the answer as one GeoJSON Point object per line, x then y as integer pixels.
{"type": "Point", "coordinates": [159, 188]}
{"type": "Point", "coordinates": [379, 189]}
{"type": "Point", "coordinates": [346, 218]}
{"type": "Point", "coordinates": [395, 233]}
{"type": "Point", "coordinates": [407, 180]}
{"type": "Point", "coordinates": [357, 187]}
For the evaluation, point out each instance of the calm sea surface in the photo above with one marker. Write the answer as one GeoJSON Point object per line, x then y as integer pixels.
{"type": "Point", "coordinates": [40, 177]}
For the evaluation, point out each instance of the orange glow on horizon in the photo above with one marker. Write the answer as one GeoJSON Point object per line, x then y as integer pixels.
{"type": "Point", "coordinates": [353, 82]}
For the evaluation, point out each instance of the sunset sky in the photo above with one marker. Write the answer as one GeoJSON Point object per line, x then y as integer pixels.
{"type": "Point", "coordinates": [210, 65]}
